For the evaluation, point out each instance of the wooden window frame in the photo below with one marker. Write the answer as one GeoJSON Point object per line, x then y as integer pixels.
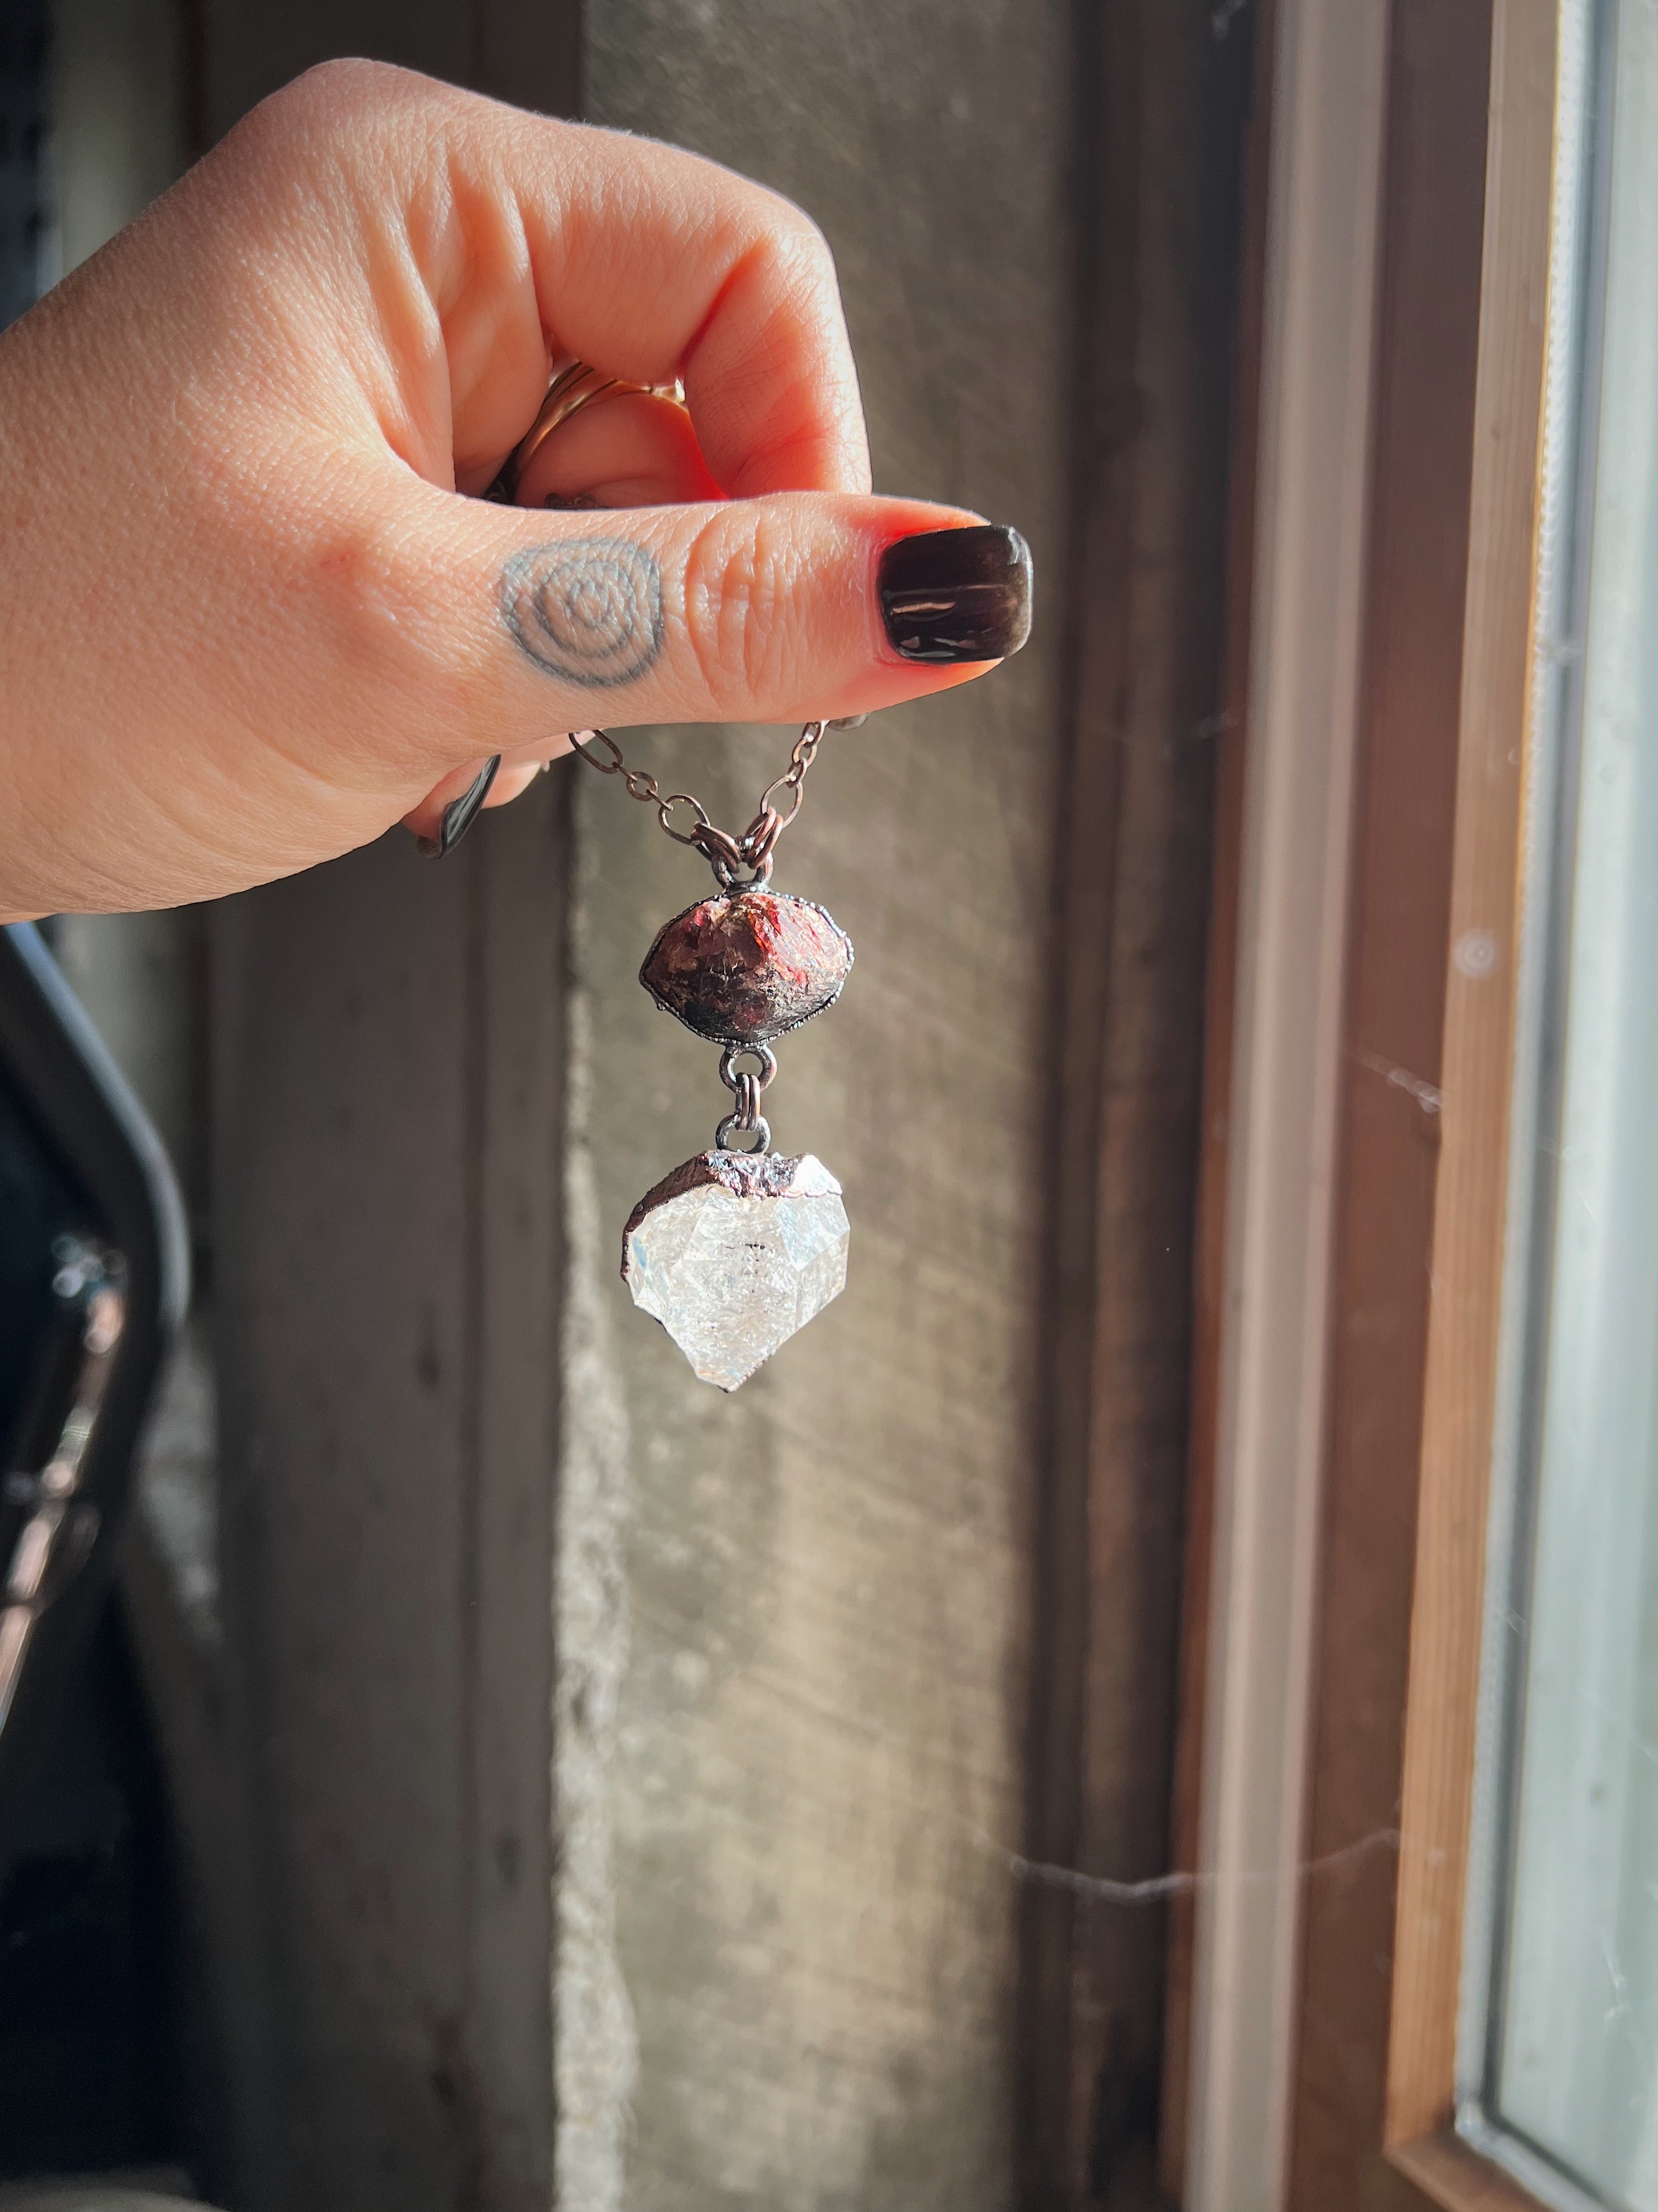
{"type": "Point", "coordinates": [1460, 1386]}
{"type": "Point", "coordinates": [1428, 1049]}
{"type": "Point", "coordinates": [1416, 1309]}
{"type": "Point", "coordinates": [1418, 1212]}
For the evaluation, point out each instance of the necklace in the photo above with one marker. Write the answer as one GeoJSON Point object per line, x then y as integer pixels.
{"type": "Point", "coordinates": [737, 1248]}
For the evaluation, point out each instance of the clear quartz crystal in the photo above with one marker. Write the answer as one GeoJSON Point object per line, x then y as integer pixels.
{"type": "Point", "coordinates": [733, 1252]}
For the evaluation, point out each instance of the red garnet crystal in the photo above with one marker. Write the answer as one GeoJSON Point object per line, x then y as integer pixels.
{"type": "Point", "coordinates": [745, 968]}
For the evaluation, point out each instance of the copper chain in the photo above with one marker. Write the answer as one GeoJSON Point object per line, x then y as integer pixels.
{"type": "Point", "coordinates": [724, 853]}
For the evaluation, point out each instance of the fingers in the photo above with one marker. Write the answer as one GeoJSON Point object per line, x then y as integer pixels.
{"type": "Point", "coordinates": [498, 240]}
{"type": "Point", "coordinates": [515, 781]}
{"type": "Point", "coordinates": [250, 621]}
{"type": "Point", "coordinates": [635, 450]}
{"type": "Point", "coordinates": [511, 782]}
{"type": "Point", "coordinates": [775, 609]}
{"type": "Point", "coordinates": [651, 264]}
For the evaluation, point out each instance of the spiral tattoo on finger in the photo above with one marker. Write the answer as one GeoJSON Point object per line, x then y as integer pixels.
{"type": "Point", "coordinates": [588, 610]}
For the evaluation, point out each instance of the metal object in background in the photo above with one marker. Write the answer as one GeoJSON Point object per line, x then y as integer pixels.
{"type": "Point", "coordinates": [100, 2193]}
{"type": "Point", "coordinates": [22, 123]}
{"type": "Point", "coordinates": [56, 1541]}
{"type": "Point", "coordinates": [94, 1279]}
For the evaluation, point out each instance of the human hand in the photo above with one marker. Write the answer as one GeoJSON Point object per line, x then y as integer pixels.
{"type": "Point", "coordinates": [249, 624]}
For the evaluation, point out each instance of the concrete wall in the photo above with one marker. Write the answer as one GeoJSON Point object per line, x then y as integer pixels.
{"type": "Point", "coordinates": [813, 1768]}
{"type": "Point", "coordinates": [389, 1048]}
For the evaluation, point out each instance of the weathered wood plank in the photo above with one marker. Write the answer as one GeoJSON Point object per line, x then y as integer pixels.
{"type": "Point", "coordinates": [1427, 355]}
{"type": "Point", "coordinates": [389, 1052]}
{"type": "Point", "coordinates": [1470, 1200]}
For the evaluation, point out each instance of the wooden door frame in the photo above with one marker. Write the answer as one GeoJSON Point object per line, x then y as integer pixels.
{"type": "Point", "coordinates": [1270, 1119]}
{"type": "Point", "coordinates": [1425, 1071]}
{"type": "Point", "coordinates": [1460, 1377]}
{"type": "Point", "coordinates": [1427, 1052]}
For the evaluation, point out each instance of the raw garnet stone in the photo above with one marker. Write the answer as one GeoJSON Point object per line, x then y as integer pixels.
{"type": "Point", "coordinates": [742, 968]}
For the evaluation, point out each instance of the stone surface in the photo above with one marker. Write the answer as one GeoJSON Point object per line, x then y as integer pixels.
{"type": "Point", "coordinates": [732, 1253]}
{"type": "Point", "coordinates": [741, 970]}
{"type": "Point", "coordinates": [821, 1733]}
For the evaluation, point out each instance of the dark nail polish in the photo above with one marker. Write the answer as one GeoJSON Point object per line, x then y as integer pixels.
{"type": "Point", "coordinates": [461, 813]}
{"type": "Point", "coordinates": [954, 595]}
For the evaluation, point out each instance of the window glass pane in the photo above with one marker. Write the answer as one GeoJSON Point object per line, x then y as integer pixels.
{"type": "Point", "coordinates": [1571, 2039]}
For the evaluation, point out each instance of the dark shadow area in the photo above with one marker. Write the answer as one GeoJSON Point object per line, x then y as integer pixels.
{"type": "Point", "coordinates": [91, 2071]}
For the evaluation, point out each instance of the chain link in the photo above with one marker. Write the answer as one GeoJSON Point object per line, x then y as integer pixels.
{"type": "Point", "coordinates": [726, 855]}
{"type": "Point", "coordinates": [730, 1076]}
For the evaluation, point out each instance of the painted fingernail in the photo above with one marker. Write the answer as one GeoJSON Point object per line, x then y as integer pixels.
{"type": "Point", "coordinates": [954, 595]}
{"type": "Point", "coordinates": [461, 813]}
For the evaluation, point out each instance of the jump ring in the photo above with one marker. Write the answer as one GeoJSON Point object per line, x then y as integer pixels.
{"type": "Point", "coordinates": [761, 835]}
{"type": "Point", "coordinates": [717, 845]}
{"type": "Point", "coordinates": [760, 1131]}
{"type": "Point", "coordinates": [733, 1052]}
{"type": "Point", "coordinates": [728, 879]}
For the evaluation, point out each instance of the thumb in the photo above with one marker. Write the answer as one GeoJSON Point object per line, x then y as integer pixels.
{"type": "Point", "coordinates": [796, 606]}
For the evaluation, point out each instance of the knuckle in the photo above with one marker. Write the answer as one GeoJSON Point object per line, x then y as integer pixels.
{"type": "Point", "coordinates": [744, 612]}
{"type": "Point", "coordinates": [804, 255]}
{"type": "Point", "coordinates": [782, 238]}
{"type": "Point", "coordinates": [813, 246]}
{"type": "Point", "coordinates": [790, 226]}
{"type": "Point", "coordinates": [381, 618]}
{"type": "Point", "coordinates": [332, 106]}
{"type": "Point", "coordinates": [353, 104]}
{"type": "Point", "coordinates": [346, 87]}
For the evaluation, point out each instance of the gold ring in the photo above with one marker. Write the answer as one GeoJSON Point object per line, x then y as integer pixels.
{"type": "Point", "coordinates": [574, 385]}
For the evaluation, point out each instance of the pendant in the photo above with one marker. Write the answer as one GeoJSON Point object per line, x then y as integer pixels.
{"type": "Point", "coordinates": [740, 1248]}
{"type": "Point", "coordinates": [733, 1252]}
{"type": "Point", "coordinates": [748, 966]}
